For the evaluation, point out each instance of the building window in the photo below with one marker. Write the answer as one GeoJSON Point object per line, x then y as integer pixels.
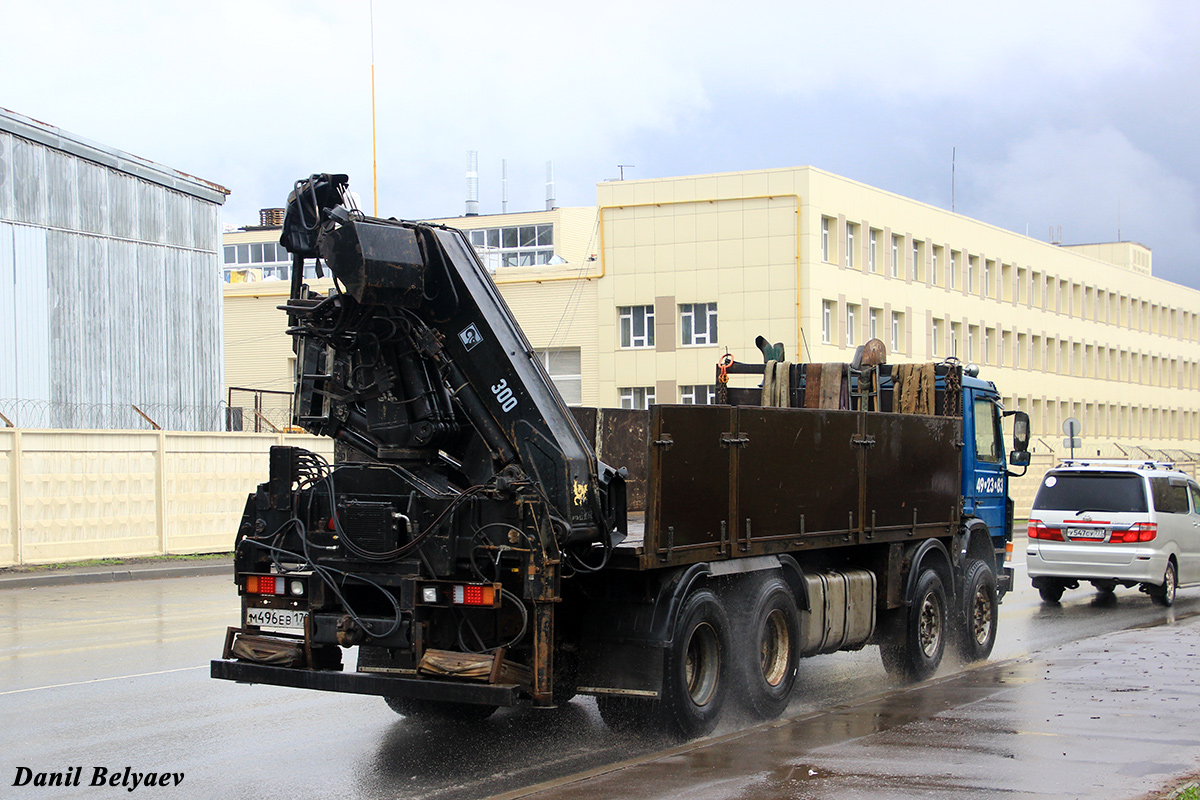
{"type": "Point", "coordinates": [955, 336]}
{"type": "Point", "coordinates": [851, 315]}
{"type": "Point", "coordinates": [637, 397]}
{"type": "Point", "coordinates": [514, 246]}
{"type": "Point", "coordinates": [933, 266]}
{"type": "Point", "coordinates": [897, 324]}
{"type": "Point", "coordinates": [872, 251]}
{"type": "Point", "coordinates": [873, 323]}
{"type": "Point", "coordinates": [269, 259]}
{"type": "Point", "coordinates": [699, 323]}
{"type": "Point", "coordinates": [987, 278]}
{"type": "Point", "coordinates": [849, 245]}
{"type": "Point", "coordinates": [825, 239]}
{"type": "Point", "coordinates": [895, 256]}
{"type": "Point", "coordinates": [971, 273]}
{"type": "Point", "coordinates": [698, 395]}
{"type": "Point", "coordinates": [826, 322]}
{"type": "Point", "coordinates": [637, 326]}
{"type": "Point", "coordinates": [936, 335]}
{"type": "Point", "coordinates": [566, 371]}
{"type": "Point", "coordinates": [953, 266]}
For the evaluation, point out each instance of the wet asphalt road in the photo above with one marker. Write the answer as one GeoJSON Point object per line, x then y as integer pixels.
{"type": "Point", "coordinates": [116, 675]}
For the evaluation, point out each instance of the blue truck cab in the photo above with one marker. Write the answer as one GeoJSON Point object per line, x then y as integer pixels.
{"type": "Point", "coordinates": [985, 473]}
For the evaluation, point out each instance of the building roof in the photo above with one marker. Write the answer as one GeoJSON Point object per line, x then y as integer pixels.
{"type": "Point", "coordinates": [57, 138]}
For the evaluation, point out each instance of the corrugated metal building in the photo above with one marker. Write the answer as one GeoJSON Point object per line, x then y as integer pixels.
{"type": "Point", "coordinates": [110, 287]}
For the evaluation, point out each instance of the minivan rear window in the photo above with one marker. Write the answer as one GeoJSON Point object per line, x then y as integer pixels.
{"type": "Point", "coordinates": [1091, 491]}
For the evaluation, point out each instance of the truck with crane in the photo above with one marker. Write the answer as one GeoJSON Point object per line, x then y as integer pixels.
{"type": "Point", "coordinates": [478, 544]}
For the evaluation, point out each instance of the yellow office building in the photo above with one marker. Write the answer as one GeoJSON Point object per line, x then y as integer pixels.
{"type": "Point", "coordinates": [633, 301]}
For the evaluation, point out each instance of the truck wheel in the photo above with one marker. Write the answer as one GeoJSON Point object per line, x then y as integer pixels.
{"type": "Point", "coordinates": [1051, 592]}
{"type": "Point", "coordinates": [770, 652]}
{"type": "Point", "coordinates": [624, 714]}
{"type": "Point", "coordinates": [1165, 595]}
{"type": "Point", "coordinates": [980, 606]}
{"type": "Point", "coordinates": [918, 656]}
{"type": "Point", "coordinates": [694, 679]}
{"type": "Point", "coordinates": [431, 711]}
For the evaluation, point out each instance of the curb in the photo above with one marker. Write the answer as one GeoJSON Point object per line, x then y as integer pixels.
{"type": "Point", "coordinates": [113, 575]}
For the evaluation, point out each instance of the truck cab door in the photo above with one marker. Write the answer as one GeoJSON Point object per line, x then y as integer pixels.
{"type": "Point", "coordinates": [985, 482]}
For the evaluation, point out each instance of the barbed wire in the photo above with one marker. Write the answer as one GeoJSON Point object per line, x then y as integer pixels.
{"type": "Point", "coordinates": [44, 414]}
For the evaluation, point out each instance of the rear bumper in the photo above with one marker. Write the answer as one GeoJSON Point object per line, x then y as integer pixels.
{"type": "Point", "coordinates": [366, 683]}
{"type": "Point", "coordinates": [1145, 566]}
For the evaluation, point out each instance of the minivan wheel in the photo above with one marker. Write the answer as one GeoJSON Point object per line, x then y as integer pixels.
{"type": "Point", "coordinates": [1051, 592]}
{"type": "Point", "coordinates": [1165, 595]}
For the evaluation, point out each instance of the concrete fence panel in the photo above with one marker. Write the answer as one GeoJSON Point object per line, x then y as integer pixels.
{"type": "Point", "coordinates": [71, 495]}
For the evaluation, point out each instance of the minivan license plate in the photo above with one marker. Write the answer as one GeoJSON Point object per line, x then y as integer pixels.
{"type": "Point", "coordinates": [1087, 533]}
{"type": "Point", "coordinates": [275, 617]}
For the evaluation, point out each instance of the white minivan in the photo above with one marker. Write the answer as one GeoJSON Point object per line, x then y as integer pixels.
{"type": "Point", "coordinates": [1115, 523]}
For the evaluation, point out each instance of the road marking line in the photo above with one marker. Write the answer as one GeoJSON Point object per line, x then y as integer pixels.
{"type": "Point", "coordinates": [102, 680]}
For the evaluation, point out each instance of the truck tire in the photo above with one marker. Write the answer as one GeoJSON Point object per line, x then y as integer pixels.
{"type": "Point", "coordinates": [432, 711]}
{"type": "Point", "coordinates": [1165, 595]}
{"type": "Point", "coordinates": [695, 675]}
{"type": "Point", "coordinates": [624, 714]}
{"type": "Point", "coordinates": [427, 710]}
{"type": "Point", "coordinates": [769, 650]}
{"type": "Point", "coordinates": [980, 607]}
{"type": "Point", "coordinates": [919, 654]}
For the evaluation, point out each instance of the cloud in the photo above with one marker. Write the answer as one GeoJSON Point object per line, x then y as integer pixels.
{"type": "Point", "coordinates": [1093, 183]}
{"type": "Point", "coordinates": [255, 94]}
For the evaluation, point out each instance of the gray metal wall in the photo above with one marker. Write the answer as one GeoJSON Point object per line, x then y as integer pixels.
{"type": "Point", "coordinates": [110, 289]}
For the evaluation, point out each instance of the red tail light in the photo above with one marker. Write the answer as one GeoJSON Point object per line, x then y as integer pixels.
{"type": "Point", "coordinates": [1141, 532]}
{"type": "Point", "coordinates": [1038, 530]}
{"type": "Point", "coordinates": [264, 584]}
{"type": "Point", "coordinates": [475, 595]}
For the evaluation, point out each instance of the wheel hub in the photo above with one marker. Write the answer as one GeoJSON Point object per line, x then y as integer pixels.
{"type": "Point", "coordinates": [776, 649]}
{"type": "Point", "coordinates": [929, 631]}
{"type": "Point", "coordinates": [701, 666]}
{"type": "Point", "coordinates": [981, 617]}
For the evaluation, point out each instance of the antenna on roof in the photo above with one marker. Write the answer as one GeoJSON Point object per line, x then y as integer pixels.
{"type": "Point", "coordinates": [953, 152]}
{"type": "Point", "coordinates": [472, 183]}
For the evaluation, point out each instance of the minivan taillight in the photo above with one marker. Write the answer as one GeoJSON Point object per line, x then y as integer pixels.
{"type": "Point", "coordinates": [1039, 530]}
{"type": "Point", "coordinates": [1141, 532]}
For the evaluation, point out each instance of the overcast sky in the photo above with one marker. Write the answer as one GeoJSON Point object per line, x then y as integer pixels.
{"type": "Point", "coordinates": [1074, 114]}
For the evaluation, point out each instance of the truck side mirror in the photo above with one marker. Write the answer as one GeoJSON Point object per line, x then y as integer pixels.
{"type": "Point", "coordinates": [1020, 430]}
{"type": "Point", "coordinates": [1020, 456]}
